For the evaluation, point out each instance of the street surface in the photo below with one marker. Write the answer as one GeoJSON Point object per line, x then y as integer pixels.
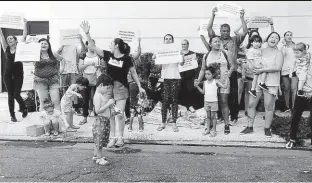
{"type": "Point", "coordinates": [52, 161]}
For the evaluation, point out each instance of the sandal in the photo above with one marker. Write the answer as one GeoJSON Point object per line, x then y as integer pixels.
{"type": "Point", "coordinates": [82, 122]}
{"type": "Point", "coordinates": [75, 127]}
{"type": "Point", "coordinates": [102, 161]}
{"type": "Point", "coordinates": [160, 128]}
{"type": "Point", "coordinates": [206, 132]}
{"type": "Point", "coordinates": [213, 133]}
{"type": "Point", "coordinates": [71, 130]}
{"type": "Point", "coordinates": [175, 129]}
{"type": "Point", "coordinates": [191, 109]}
{"type": "Point", "coordinates": [290, 144]}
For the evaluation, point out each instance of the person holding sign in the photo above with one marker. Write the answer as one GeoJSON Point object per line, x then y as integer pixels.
{"type": "Point", "coordinates": [118, 65]}
{"type": "Point", "coordinates": [218, 58]}
{"type": "Point", "coordinates": [231, 45]}
{"type": "Point", "coordinates": [171, 81]}
{"type": "Point", "coordinates": [187, 91]}
{"type": "Point", "coordinates": [13, 73]}
{"type": "Point", "coordinates": [273, 59]}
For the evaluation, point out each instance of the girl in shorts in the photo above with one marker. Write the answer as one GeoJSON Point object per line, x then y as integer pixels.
{"type": "Point", "coordinates": [67, 101]}
{"type": "Point", "coordinates": [210, 90]}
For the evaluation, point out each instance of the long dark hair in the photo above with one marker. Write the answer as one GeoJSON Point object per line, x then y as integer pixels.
{"type": "Point", "coordinates": [121, 45]}
{"type": "Point", "coordinates": [279, 37]}
{"type": "Point", "coordinates": [50, 53]}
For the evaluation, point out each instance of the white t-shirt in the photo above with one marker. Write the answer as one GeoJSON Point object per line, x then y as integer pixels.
{"type": "Point", "coordinates": [69, 53]}
{"type": "Point", "coordinates": [90, 60]}
{"type": "Point", "coordinates": [211, 91]}
{"type": "Point", "coordinates": [170, 71]}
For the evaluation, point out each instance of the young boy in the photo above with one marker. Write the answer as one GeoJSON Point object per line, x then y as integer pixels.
{"type": "Point", "coordinates": [103, 105]}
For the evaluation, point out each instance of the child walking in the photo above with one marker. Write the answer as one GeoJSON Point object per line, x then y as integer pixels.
{"type": "Point", "coordinates": [210, 90]}
{"type": "Point", "coordinates": [52, 119]}
{"type": "Point", "coordinates": [254, 55]}
{"type": "Point", "coordinates": [104, 115]}
{"type": "Point", "coordinates": [301, 64]}
{"type": "Point", "coordinates": [67, 101]}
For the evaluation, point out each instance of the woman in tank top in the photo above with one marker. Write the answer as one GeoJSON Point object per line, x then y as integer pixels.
{"type": "Point", "coordinates": [274, 60]}
{"type": "Point", "coordinates": [217, 59]}
{"type": "Point", "coordinates": [290, 84]}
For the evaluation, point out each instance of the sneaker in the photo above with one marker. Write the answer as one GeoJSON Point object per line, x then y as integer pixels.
{"type": "Point", "coordinates": [120, 142]}
{"type": "Point", "coordinates": [300, 93]}
{"type": "Point", "coordinates": [290, 144]}
{"type": "Point", "coordinates": [206, 132]}
{"type": "Point", "coordinates": [226, 129]}
{"type": "Point", "coordinates": [111, 143]}
{"type": "Point", "coordinates": [263, 86]}
{"type": "Point", "coordinates": [47, 134]}
{"type": "Point", "coordinates": [56, 133]}
{"type": "Point", "coordinates": [267, 132]}
{"type": "Point", "coordinates": [78, 112]}
{"type": "Point", "coordinates": [213, 133]}
{"type": "Point", "coordinates": [220, 120]}
{"type": "Point", "coordinates": [102, 161]}
{"type": "Point", "coordinates": [24, 113]}
{"type": "Point", "coordinates": [253, 93]}
{"type": "Point", "coordinates": [13, 119]}
{"type": "Point", "coordinates": [233, 122]}
{"type": "Point", "coordinates": [247, 130]}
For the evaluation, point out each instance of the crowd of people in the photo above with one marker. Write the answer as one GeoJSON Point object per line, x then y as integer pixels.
{"type": "Point", "coordinates": [114, 85]}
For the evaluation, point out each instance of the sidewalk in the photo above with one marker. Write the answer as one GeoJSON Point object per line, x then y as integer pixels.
{"type": "Point", "coordinates": [190, 132]}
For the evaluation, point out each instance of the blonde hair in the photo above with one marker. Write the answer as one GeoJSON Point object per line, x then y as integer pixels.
{"type": "Point", "coordinates": [300, 47]}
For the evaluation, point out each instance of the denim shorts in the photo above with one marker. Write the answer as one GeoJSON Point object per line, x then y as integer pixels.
{"type": "Point", "coordinates": [120, 92]}
{"type": "Point", "coordinates": [46, 83]}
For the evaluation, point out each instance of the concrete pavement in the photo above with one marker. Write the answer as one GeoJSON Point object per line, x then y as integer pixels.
{"type": "Point", "coordinates": [190, 132]}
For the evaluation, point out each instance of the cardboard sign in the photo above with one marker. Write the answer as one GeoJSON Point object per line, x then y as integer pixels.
{"type": "Point", "coordinates": [12, 21]}
{"type": "Point", "coordinates": [168, 54]}
{"type": "Point", "coordinates": [189, 63]}
{"type": "Point", "coordinates": [203, 25]}
{"type": "Point", "coordinates": [28, 52]}
{"type": "Point", "coordinates": [258, 22]}
{"type": "Point", "coordinates": [28, 83]}
{"type": "Point", "coordinates": [228, 9]}
{"type": "Point", "coordinates": [69, 36]}
{"type": "Point", "coordinates": [127, 36]}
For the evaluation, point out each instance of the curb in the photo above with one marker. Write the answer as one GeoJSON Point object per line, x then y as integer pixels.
{"type": "Point", "coordinates": [248, 144]}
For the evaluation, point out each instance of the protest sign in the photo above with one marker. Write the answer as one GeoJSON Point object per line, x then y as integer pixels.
{"type": "Point", "coordinates": [168, 53]}
{"type": "Point", "coordinates": [127, 36]}
{"type": "Point", "coordinates": [190, 63]}
{"type": "Point", "coordinates": [27, 52]}
{"type": "Point", "coordinates": [203, 25]}
{"type": "Point", "coordinates": [69, 36]}
{"type": "Point", "coordinates": [258, 22]}
{"type": "Point", "coordinates": [228, 9]}
{"type": "Point", "coordinates": [12, 21]}
{"type": "Point", "coordinates": [28, 82]}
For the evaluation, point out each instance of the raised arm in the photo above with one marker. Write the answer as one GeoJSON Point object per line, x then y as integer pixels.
{"type": "Point", "coordinates": [271, 24]}
{"type": "Point", "coordinates": [206, 44]}
{"type": "Point", "coordinates": [210, 23]}
{"type": "Point", "coordinates": [137, 54]}
{"type": "Point", "coordinates": [24, 31]}
{"type": "Point", "coordinates": [241, 36]}
{"type": "Point", "coordinates": [86, 29]}
{"type": "Point", "coordinates": [3, 41]}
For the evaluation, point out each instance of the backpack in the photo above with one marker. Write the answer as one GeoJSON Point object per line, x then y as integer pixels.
{"type": "Point", "coordinates": [225, 56]}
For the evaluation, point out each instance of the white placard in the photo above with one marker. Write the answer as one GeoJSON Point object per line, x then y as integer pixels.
{"type": "Point", "coordinates": [168, 53]}
{"type": "Point", "coordinates": [28, 82]}
{"type": "Point", "coordinates": [127, 36]}
{"type": "Point", "coordinates": [203, 25]}
{"type": "Point", "coordinates": [258, 22]}
{"type": "Point", "coordinates": [69, 36]}
{"type": "Point", "coordinates": [12, 21]}
{"type": "Point", "coordinates": [189, 63]}
{"type": "Point", "coordinates": [27, 52]}
{"type": "Point", "coordinates": [228, 9]}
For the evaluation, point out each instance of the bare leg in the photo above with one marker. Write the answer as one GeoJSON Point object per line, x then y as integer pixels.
{"type": "Point", "coordinates": [286, 83]}
{"type": "Point", "coordinates": [294, 85]}
{"type": "Point", "coordinates": [224, 107]}
{"type": "Point", "coordinates": [120, 118]}
{"type": "Point", "coordinates": [254, 82]}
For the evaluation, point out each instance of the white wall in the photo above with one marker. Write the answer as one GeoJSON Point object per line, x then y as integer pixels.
{"type": "Point", "coordinates": [154, 19]}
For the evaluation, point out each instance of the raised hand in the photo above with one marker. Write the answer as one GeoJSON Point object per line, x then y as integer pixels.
{"type": "Point", "coordinates": [242, 13]}
{"type": "Point", "coordinates": [214, 10]}
{"type": "Point", "coordinates": [85, 26]}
